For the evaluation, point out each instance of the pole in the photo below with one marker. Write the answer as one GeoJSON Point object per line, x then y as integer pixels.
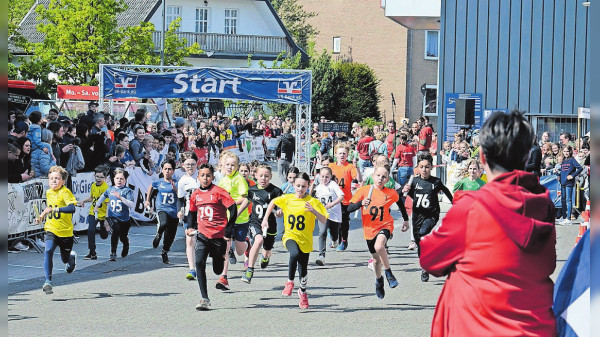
{"type": "Point", "coordinates": [393, 107]}
{"type": "Point", "coordinates": [162, 37]}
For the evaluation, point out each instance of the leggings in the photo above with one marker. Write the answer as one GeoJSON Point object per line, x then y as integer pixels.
{"type": "Point", "coordinates": [120, 231]}
{"type": "Point", "coordinates": [333, 229]}
{"type": "Point", "coordinates": [167, 225]}
{"type": "Point", "coordinates": [204, 248]}
{"type": "Point", "coordinates": [52, 241]}
{"type": "Point", "coordinates": [297, 259]}
{"type": "Point", "coordinates": [345, 225]}
{"type": "Point", "coordinates": [91, 233]}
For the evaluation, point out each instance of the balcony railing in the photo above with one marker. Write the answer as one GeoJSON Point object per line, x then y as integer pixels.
{"type": "Point", "coordinates": [231, 44]}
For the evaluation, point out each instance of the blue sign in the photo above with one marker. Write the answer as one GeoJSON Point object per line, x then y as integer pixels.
{"type": "Point", "coordinates": [239, 84]}
{"type": "Point", "coordinates": [450, 113]}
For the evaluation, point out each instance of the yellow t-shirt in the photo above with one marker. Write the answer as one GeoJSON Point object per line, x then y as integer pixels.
{"type": "Point", "coordinates": [95, 194]}
{"type": "Point", "coordinates": [237, 187]}
{"type": "Point", "coordinates": [60, 223]}
{"type": "Point", "coordinates": [299, 223]}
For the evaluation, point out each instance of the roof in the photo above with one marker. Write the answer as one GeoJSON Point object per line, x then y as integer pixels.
{"type": "Point", "coordinates": [136, 12]}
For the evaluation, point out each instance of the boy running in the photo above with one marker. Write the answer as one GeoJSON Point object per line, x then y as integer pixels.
{"type": "Point", "coordinates": [97, 189]}
{"type": "Point", "coordinates": [424, 191]}
{"type": "Point", "coordinates": [59, 228]}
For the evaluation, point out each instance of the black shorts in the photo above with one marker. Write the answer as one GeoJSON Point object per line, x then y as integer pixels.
{"type": "Point", "coordinates": [216, 247]}
{"type": "Point", "coordinates": [269, 239]}
{"type": "Point", "coordinates": [64, 243]}
{"type": "Point", "coordinates": [371, 243]}
{"type": "Point", "coordinates": [423, 225]}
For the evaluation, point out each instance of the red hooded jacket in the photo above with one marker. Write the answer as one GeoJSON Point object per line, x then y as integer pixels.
{"type": "Point", "coordinates": [497, 246]}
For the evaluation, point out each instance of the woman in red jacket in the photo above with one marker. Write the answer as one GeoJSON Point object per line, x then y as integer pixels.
{"type": "Point", "coordinates": [497, 245]}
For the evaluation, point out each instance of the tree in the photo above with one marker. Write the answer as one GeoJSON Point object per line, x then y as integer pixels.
{"type": "Point", "coordinates": [327, 85]}
{"type": "Point", "coordinates": [360, 97]}
{"type": "Point", "coordinates": [295, 19]}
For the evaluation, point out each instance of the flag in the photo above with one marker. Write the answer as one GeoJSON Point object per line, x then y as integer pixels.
{"type": "Point", "coordinates": [572, 292]}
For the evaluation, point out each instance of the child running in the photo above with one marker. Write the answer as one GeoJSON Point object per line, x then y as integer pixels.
{"type": "Point", "coordinates": [166, 208]}
{"type": "Point", "coordinates": [210, 226]}
{"type": "Point", "coordinates": [344, 173]}
{"type": "Point", "coordinates": [472, 181]}
{"type": "Point", "coordinates": [330, 195]}
{"type": "Point", "coordinates": [288, 186]}
{"type": "Point", "coordinates": [120, 200]}
{"type": "Point", "coordinates": [300, 211]}
{"type": "Point", "coordinates": [60, 207]}
{"type": "Point", "coordinates": [378, 224]}
{"type": "Point", "coordinates": [186, 185]}
{"type": "Point", "coordinates": [237, 187]}
{"type": "Point", "coordinates": [424, 191]}
{"type": "Point", "coordinates": [261, 195]}
{"type": "Point", "coordinates": [93, 219]}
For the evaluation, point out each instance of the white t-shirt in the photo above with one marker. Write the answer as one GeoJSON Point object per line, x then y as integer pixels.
{"type": "Point", "coordinates": [185, 187]}
{"type": "Point", "coordinates": [328, 193]}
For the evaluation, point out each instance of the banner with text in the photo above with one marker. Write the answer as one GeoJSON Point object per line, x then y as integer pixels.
{"type": "Point", "coordinates": [25, 201]}
{"type": "Point", "coordinates": [241, 84]}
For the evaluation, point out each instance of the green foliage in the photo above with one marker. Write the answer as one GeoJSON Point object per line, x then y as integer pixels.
{"type": "Point", "coordinates": [327, 87]}
{"type": "Point", "coordinates": [370, 122]}
{"type": "Point", "coordinates": [295, 19]}
{"type": "Point", "coordinates": [359, 91]}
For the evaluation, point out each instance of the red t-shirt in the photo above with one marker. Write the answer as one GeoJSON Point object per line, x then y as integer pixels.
{"type": "Point", "coordinates": [390, 143]}
{"type": "Point", "coordinates": [363, 147]}
{"type": "Point", "coordinates": [426, 134]}
{"type": "Point", "coordinates": [405, 154]}
{"type": "Point", "coordinates": [211, 206]}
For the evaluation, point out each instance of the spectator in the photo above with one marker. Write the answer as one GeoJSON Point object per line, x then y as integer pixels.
{"type": "Point", "coordinates": [135, 146]}
{"type": "Point", "coordinates": [285, 152]}
{"type": "Point", "coordinates": [52, 115]}
{"type": "Point", "coordinates": [566, 139]}
{"type": "Point", "coordinates": [42, 161]}
{"type": "Point", "coordinates": [19, 130]}
{"type": "Point", "coordinates": [88, 118]}
{"type": "Point", "coordinates": [35, 130]}
{"type": "Point", "coordinates": [547, 152]}
{"type": "Point", "coordinates": [60, 149]}
{"type": "Point", "coordinates": [556, 150]}
{"type": "Point", "coordinates": [534, 162]}
{"type": "Point", "coordinates": [365, 137]}
{"type": "Point", "coordinates": [16, 171]}
{"type": "Point", "coordinates": [544, 139]}
{"type": "Point", "coordinates": [497, 245]}
{"type": "Point", "coordinates": [24, 145]}
{"type": "Point", "coordinates": [326, 143]}
{"type": "Point", "coordinates": [425, 136]}
{"type": "Point", "coordinates": [569, 169]}
{"type": "Point", "coordinates": [393, 139]}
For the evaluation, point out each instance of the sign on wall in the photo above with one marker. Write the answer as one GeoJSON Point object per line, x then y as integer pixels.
{"type": "Point", "coordinates": [450, 113]}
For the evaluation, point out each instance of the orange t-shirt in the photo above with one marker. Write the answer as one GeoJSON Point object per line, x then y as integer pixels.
{"type": "Point", "coordinates": [344, 174]}
{"type": "Point", "coordinates": [377, 215]}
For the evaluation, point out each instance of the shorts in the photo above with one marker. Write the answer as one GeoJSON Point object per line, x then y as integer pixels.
{"type": "Point", "coordinates": [371, 243]}
{"type": "Point", "coordinates": [216, 247]}
{"type": "Point", "coordinates": [240, 232]}
{"type": "Point", "coordinates": [268, 240]}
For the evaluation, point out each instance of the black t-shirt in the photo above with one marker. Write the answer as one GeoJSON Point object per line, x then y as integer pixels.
{"type": "Point", "coordinates": [425, 196]}
{"type": "Point", "coordinates": [260, 199]}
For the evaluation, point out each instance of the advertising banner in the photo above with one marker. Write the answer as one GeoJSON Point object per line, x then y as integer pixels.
{"type": "Point", "coordinates": [139, 182]}
{"type": "Point", "coordinates": [240, 84]}
{"type": "Point", "coordinates": [25, 201]}
{"type": "Point", "coordinates": [81, 185]}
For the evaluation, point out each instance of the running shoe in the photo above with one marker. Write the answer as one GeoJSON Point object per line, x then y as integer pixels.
{"type": "Point", "coordinates": [333, 245]}
{"type": "Point", "coordinates": [222, 284]}
{"type": "Point", "coordinates": [232, 258]}
{"type": "Point", "coordinates": [91, 256]}
{"type": "Point", "coordinates": [125, 250]}
{"type": "Point", "coordinates": [165, 257]}
{"type": "Point", "coordinates": [320, 260]}
{"type": "Point", "coordinates": [22, 247]}
{"type": "Point", "coordinates": [343, 245]}
{"type": "Point", "coordinates": [47, 288]}
{"type": "Point", "coordinates": [113, 257]}
{"type": "Point", "coordinates": [370, 264]}
{"type": "Point", "coordinates": [203, 305]}
{"type": "Point", "coordinates": [391, 278]}
{"type": "Point", "coordinates": [424, 276]}
{"type": "Point", "coordinates": [247, 252]}
{"type": "Point", "coordinates": [246, 264]}
{"type": "Point", "coordinates": [191, 275]}
{"type": "Point", "coordinates": [379, 291]}
{"type": "Point", "coordinates": [412, 245]}
{"type": "Point", "coordinates": [156, 240]}
{"type": "Point", "coordinates": [303, 299]}
{"type": "Point", "coordinates": [287, 290]}
{"type": "Point", "coordinates": [70, 266]}
{"type": "Point", "coordinates": [247, 278]}
{"type": "Point", "coordinates": [264, 262]}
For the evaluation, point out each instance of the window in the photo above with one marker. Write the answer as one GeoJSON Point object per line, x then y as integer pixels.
{"type": "Point", "coordinates": [337, 44]}
{"type": "Point", "coordinates": [202, 20]}
{"type": "Point", "coordinates": [431, 44]}
{"type": "Point", "coordinates": [231, 18]}
{"type": "Point", "coordinates": [430, 100]}
{"type": "Point", "coordinates": [173, 12]}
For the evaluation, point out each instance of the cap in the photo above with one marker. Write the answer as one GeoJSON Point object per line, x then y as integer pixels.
{"type": "Point", "coordinates": [179, 121]}
{"type": "Point", "coordinates": [21, 126]}
{"type": "Point", "coordinates": [234, 119]}
{"type": "Point", "coordinates": [63, 119]}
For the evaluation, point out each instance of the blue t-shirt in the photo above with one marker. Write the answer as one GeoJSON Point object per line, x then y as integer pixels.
{"type": "Point", "coordinates": [166, 199]}
{"type": "Point", "coordinates": [288, 188]}
{"type": "Point", "coordinates": [116, 208]}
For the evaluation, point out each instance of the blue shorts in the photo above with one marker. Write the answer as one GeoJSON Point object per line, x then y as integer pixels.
{"type": "Point", "coordinates": [240, 232]}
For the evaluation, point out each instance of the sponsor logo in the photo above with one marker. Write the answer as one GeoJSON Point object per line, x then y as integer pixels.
{"type": "Point", "coordinates": [126, 82]}
{"type": "Point", "coordinates": [289, 87]}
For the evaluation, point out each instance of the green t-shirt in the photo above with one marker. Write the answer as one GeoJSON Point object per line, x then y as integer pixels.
{"type": "Point", "coordinates": [314, 148]}
{"type": "Point", "coordinates": [467, 184]}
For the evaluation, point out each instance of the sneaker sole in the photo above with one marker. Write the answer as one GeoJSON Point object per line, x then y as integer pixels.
{"type": "Point", "coordinates": [47, 290]}
{"type": "Point", "coordinates": [222, 287]}
{"type": "Point", "coordinates": [246, 280]}
{"type": "Point", "coordinates": [202, 308]}
{"type": "Point", "coordinates": [320, 263]}
{"type": "Point", "coordinates": [393, 285]}
{"type": "Point", "coordinates": [190, 277]}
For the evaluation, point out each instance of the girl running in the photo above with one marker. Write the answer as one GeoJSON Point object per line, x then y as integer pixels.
{"type": "Point", "coordinates": [185, 187]}
{"type": "Point", "coordinates": [330, 195]}
{"type": "Point", "coordinates": [237, 187]}
{"type": "Point", "coordinates": [378, 224]}
{"type": "Point", "coordinates": [60, 207]}
{"type": "Point", "coordinates": [210, 226]}
{"type": "Point", "coordinates": [120, 200]}
{"type": "Point", "coordinates": [245, 171]}
{"type": "Point", "coordinates": [261, 195]}
{"type": "Point", "coordinates": [300, 211]}
{"type": "Point", "coordinates": [97, 189]}
{"type": "Point", "coordinates": [166, 208]}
